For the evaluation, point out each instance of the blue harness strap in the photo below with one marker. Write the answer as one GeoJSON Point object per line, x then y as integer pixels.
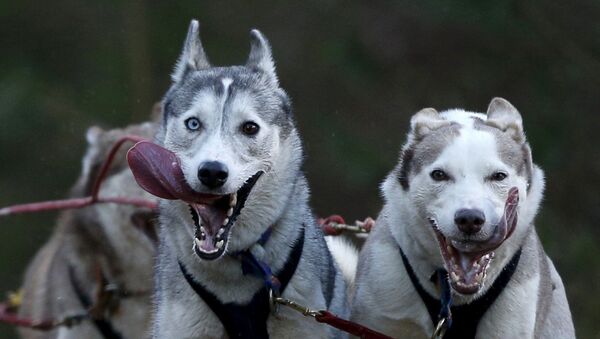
{"type": "Point", "coordinates": [247, 321]}
{"type": "Point", "coordinates": [462, 319]}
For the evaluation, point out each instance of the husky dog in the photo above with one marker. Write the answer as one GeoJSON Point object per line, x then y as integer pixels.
{"type": "Point", "coordinates": [463, 198]}
{"type": "Point", "coordinates": [240, 154]}
{"type": "Point", "coordinates": [97, 247]}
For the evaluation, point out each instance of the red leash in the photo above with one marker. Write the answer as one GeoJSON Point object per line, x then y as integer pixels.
{"type": "Point", "coordinates": [353, 328]}
{"type": "Point", "coordinates": [86, 201]}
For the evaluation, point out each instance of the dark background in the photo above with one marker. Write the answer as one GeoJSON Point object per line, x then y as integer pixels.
{"type": "Point", "coordinates": [356, 72]}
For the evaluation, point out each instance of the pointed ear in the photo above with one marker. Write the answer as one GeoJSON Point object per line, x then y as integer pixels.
{"type": "Point", "coordinates": [260, 54]}
{"type": "Point", "coordinates": [425, 121]}
{"type": "Point", "coordinates": [504, 116]}
{"type": "Point", "coordinates": [192, 56]}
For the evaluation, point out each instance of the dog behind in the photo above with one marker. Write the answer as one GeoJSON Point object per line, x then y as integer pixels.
{"type": "Point", "coordinates": [95, 247]}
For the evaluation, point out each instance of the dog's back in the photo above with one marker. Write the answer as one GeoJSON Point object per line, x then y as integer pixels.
{"type": "Point", "coordinates": [107, 242]}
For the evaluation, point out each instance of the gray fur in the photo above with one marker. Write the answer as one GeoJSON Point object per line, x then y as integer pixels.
{"type": "Point", "coordinates": [84, 240]}
{"type": "Point", "coordinates": [221, 98]}
{"type": "Point", "coordinates": [533, 304]}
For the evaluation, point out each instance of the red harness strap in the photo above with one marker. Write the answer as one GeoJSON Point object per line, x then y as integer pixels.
{"type": "Point", "coordinates": [86, 201]}
{"type": "Point", "coordinates": [349, 326]}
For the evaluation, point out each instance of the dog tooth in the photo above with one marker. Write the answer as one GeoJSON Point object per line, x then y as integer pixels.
{"type": "Point", "coordinates": [230, 211]}
{"type": "Point", "coordinates": [478, 277]}
{"type": "Point", "coordinates": [454, 276]}
{"type": "Point", "coordinates": [202, 229]}
{"type": "Point", "coordinates": [233, 200]}
{"type": "Point", "coordinates": [449, 249]}
{"type": "Point", "coordinates": [221, 231]}
{"type": "Point", "coordinates": [226, 221]}
{"type": "Point", "coordinates": [220, 243]}
{"type": "Point", "coordinates": [198, 243]}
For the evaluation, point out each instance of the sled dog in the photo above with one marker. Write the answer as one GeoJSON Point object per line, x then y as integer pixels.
{"type": "Point", "coordinates": [104, 247]}
{"type": "Point", "coordinates": [462, 199]}
{"type": "Point", "coordinates": [245, 231]}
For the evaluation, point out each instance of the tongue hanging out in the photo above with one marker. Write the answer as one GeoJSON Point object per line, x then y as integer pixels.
{"type": "Point", "coordinates": [158, 171]}
{"type": "Point", "coordinates": [467, 262]}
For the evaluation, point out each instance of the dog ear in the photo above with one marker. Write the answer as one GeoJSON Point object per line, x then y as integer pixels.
{"type": "Point", "coordinates": [192, 56]}
{"type": "Point", "coordinates": [425, 121]}
{"type": "Point", "coordinates": [260, 54]}
{"type": "Point", "coordinates": [504, 116]}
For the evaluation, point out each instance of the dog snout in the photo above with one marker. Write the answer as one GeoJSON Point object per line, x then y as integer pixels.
{"type": "Point", "coordinates": [213, 174]}
{"type": "Point", "coordinates": [469, 220]}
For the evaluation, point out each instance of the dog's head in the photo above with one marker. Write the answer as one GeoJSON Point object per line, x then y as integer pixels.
{"type": "Point", "coordinates": [232, 130]}
{"type": "Point", "coordinates": [469, 181]}
{"type": "Point", "coordinates": [136, 224]}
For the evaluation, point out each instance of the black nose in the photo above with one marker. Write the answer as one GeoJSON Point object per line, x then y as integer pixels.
{"type": "Point", "coordinates": [468, 220]}
{"type": "Point", "coordinates": [213, 174]}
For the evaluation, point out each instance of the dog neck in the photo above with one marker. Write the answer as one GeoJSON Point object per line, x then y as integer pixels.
{"type": "Point", "coordinates": [250, 320]}
{"type": "Point", "coordinates": [463, 319]}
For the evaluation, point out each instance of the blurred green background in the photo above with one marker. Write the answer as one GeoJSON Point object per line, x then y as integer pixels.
{"type": "Point", "coordinates": [356, 71]}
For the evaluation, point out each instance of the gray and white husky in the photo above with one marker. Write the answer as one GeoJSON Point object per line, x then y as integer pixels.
{"type": "Point", "coordinates": [97, 247]}
{"type": "Point", "coordinates": [463, 197]}
{"type": "Point", "coordinates": [233, 132]}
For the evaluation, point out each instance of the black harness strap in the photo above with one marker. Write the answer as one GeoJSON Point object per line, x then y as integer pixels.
{"type": "Point", "coordinates": [102, 325]}
{"type": "Point", "coordinates": [464, 318]}
{"type": "Point", "coordinates": [249, 320]}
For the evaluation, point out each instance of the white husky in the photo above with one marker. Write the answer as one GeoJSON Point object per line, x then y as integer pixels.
{"type": "Point", "coordinates": [239, 224]}
{"type": "Point", "coordinates": [462, 198]}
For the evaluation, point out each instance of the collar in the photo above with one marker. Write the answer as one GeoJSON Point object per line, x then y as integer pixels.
{"type": "Point", "coordinates": [250, 320]}
{"type": "Point", "coordinates": [462, 320]}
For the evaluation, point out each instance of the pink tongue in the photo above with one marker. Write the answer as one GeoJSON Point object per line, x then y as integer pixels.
{"type": "Point", "coordinates": [158, 171]}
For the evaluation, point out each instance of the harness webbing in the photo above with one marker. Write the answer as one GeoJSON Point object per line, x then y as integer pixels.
{"type": "Point", "coordinates": [102, 325]}
{"type": "Point", "coordinates": [250, 320]}
{"type": "Point", "coordinates": [462, 319]}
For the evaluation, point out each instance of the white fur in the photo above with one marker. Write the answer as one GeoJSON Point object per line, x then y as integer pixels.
{"type": "Point", "coordinates": [345, 254]}
{"type": "Point", "coordinates": [384, 296]}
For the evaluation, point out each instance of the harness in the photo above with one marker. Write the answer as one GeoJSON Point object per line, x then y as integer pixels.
{"type": "Point", "coordinates": [461, 320]}
{"type": "Point", "coordinates": [103, 325]}
{"type": "Point", "coordinates": [246, 321]}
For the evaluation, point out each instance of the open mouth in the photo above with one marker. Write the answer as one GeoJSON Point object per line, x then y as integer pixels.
{"type": "Point", "coordinates": [158, 171]}
{"type": "Point", "coordinates": [467, 261]}
{"type": "Point", "coordinates": [214, 216]}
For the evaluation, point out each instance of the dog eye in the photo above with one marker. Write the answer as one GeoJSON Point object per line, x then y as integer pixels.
{"type": "Point", "coordinates": [249, 128]}
{"type": "Point", "coordinates": [439, 175]}
{"type": "Point", "coordinates": [498, 176]}
{"type": "Point", "coordinates": [193, 124]}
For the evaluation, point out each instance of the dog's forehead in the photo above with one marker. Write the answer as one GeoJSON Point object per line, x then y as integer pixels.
{"type": "Point", "coordinates": [469, 138]}
{"type": "Point", "coordinates": [223, 83]}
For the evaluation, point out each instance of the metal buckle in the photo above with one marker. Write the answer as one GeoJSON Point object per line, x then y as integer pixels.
{"type": "Point", "coordinates": [440, 329]}
{"type": "Point", "coordinates": [273, 304]}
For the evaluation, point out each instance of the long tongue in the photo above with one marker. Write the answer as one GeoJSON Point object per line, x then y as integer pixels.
{"type": "Point", "coordinates": [158, 171]}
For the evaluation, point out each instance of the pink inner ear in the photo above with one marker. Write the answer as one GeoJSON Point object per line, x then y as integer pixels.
{"type": "Point", "coordinates": [158, 171]}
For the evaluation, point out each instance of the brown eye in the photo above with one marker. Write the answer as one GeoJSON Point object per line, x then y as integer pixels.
{"type": "Point", "coordinates": [498, 176]}
{"type": "Point", "coordinates": [439, 175]}
{"type": "Point", "coordinates": [250, 128]}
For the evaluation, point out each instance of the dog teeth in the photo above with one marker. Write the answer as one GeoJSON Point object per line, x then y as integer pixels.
{"type": "Point", "coordinates": [226, 221]}
{"type": "Point", "coordinates": [221, 231]}
{"type": "Point", "coordinates": [454, 276]}
{"type": "Point", "coordinates": [230, 211]}
{"type": "Point", "coordinates": [233, 200]}
{"type": "Point", "coordinates": [220, 243]}
{"type": "Point", "coordinates": [479, 277]}
{"type": "Point", "coordinates": [198, 243]}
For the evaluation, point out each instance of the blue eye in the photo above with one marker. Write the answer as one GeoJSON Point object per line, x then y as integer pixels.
{"type": "Point", "coordinates": [193, 124]}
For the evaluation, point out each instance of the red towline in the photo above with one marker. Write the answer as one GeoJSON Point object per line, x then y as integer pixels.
{"type": "Point", "coordinates": [94, 197]}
